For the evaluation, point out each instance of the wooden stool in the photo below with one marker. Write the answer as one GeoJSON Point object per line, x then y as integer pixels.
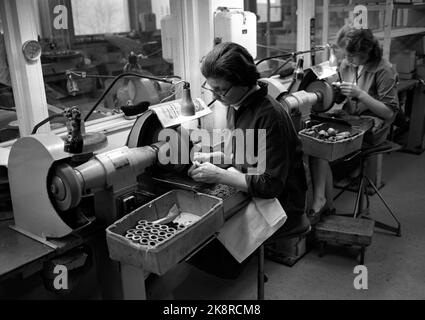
{"type": "Point", "coordinates": [287, 250]}
{"type": "Point", "coordinates": [345, 231]}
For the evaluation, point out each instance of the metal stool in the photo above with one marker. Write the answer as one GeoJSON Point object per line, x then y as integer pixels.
{"type": "Point", "coordinates": [365, 181]}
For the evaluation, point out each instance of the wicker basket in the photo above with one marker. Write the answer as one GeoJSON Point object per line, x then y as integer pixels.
{"type": "Point", "coordinates": [332, 150]}
{"type": "Point", "coordinates": [166, 255]}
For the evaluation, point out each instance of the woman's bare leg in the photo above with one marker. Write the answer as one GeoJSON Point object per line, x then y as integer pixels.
{"type": "Point", "coordinates": [329, 188]}
{"type": "Point", "coordinates": [319, 174]}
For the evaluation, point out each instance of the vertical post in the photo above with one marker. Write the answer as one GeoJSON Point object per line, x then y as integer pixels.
{"type": "Point", "coordinates": [260, 275]}
{"type": "Point", "coordinates": [133, 282]}
{"type": "Point", "coordinates": [325, 28]}
{"type": "Point", "coordinates": [305, 12]}
{"type": "Point", "coordinates": [268, 28]}
{"type": "Point", "coordinates": [19, 23]}
{"type": "Point", "coordinates": [389, 6]}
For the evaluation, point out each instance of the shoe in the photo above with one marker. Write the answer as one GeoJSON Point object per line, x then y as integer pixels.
{"type": "Point", "coordinates": [315, 216]}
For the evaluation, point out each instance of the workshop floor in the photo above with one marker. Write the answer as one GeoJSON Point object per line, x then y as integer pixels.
{"type": "Point", "coordinates": [396, 266]}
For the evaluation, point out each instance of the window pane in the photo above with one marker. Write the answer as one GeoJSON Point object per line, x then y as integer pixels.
{"type": "Point", "coordinates": [8, 121]}
{"type": "Point", "coordinates": [340, 12]}
{"type": "Point", "coordinates": [160, 8]}
{"type": "Point", "coordinates": [106, 55]}
{"type": "Point", "coordinates": [275, 10]}
{"type": "Point", "coordinates": [276, 35]}
{"type": "Point", "coordinates": [100, 16]}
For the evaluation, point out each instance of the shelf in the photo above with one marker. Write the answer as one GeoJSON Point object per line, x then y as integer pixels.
{"type": "Point", "coordinates": [350, 7]}
{"type": "Point", "coordinates": [395, 33]}
{"type": "Point", "coordinates": [401, 32]}
{"type": "Point", "coordinates": [418, 6]}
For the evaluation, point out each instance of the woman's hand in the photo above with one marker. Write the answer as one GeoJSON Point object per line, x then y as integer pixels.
{"type": "Point", "coordinates": [351, 90]}
{"type": "Point", "coordinates": [202, 157]}
{"type": "Point", "coordinates": [206, 172]}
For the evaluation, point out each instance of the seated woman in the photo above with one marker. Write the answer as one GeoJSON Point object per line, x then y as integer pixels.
{"type": "Point", "coordinates": [232, 76]}
{"type": "Point", "coordinates": [369, 83]}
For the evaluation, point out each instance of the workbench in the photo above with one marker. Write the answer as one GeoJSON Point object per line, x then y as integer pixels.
{"type": "Point", "coordinates": [22, 257]}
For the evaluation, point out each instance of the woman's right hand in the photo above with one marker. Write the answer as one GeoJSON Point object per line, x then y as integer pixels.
{"type": "Point", "coordinates": [202, 157]}
{"type": "Point", "coordinates": [195, 164]}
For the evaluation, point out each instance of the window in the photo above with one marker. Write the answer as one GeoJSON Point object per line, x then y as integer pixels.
{"type": "Point", "coordinates": [339, 13]}
{"type": "Point", "coordinates": [280, 31]}
{"type": "Point", "coordinates": [101, 49]}
{"type": "Point", "coordinates": [100, 16]}
{"type": "Point", "coordinates": [8, 124]}
{"type": "Point", "coordinates": [275, 10]}
{"type": "Point", "coordinates": [160, 8]}
{"type": "Point", "coordinates": [277, 34]}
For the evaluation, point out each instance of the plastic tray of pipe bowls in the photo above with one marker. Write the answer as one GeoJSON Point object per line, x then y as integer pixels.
{"type": "Point", "coordinates": [331, 141]}
{"type": "Point", "coordinates": [163, 232]}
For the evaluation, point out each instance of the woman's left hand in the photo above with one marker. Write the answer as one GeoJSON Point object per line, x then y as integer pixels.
{"type": "Point", "coordinates": [350, 90]}
{"type": "Point", "coordinates": [206, 173]}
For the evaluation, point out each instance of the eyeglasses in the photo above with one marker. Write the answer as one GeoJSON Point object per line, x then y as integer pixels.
{"type": "Point", "coordinates": [220, 93]}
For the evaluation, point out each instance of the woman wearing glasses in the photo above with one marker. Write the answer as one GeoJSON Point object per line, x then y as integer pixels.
{"type": "Point", "coordinates": [369, 83]}
{"type": "Point", "coordinates": [232, 76]}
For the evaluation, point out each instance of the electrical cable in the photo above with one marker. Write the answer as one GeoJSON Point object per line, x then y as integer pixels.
{"type": "Point", "coordinates": [288, 55]}
{"type": "Point", "coordinates": [37, 126]}
{"type": "Point", "coordinates": [272, 48]}
{"type": "Point", "coordinates": [279, 68]}
{"type": "Point", "coordinates": [126, 74]}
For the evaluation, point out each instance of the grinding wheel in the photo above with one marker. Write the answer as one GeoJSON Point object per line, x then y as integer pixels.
{"type": "Point", "coordinates": [146, 132]}
{"type": "Point", "coordinates": [327, 94]}
{"type": "Point", "coordinates": [65, 188]}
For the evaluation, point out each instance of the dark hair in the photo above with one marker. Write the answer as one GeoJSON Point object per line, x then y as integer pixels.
{"type": "Point", "coordinates": [360, 41]}
{"type": "Point", "coordinates": [231, 62]}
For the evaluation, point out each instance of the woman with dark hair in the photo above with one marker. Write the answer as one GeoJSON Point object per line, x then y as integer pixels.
{"type": "Point", "coordinates": [232, 76]}
{"type": "Point", "coordinates": [369, 83]}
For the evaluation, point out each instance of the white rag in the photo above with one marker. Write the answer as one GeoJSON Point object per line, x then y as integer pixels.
{"type": "Point", "coordinates": [242, 234]}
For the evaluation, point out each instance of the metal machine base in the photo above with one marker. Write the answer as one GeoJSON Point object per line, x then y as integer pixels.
{"type": "Point", "coordinates": [33, 236]}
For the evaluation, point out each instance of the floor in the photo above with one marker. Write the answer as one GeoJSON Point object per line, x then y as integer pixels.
{"type": "Point", "coordinates": [396, 266]}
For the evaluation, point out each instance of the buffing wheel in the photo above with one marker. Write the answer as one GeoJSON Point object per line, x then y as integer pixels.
{"type": "Point", "coordinates": [327, 93]}
{"type": "Point", "coordinates": [147, 131]}
{"type": "Point", "coordinates": [65, 188]}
